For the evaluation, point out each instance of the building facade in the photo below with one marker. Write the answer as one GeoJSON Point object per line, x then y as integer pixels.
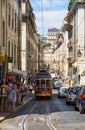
{"type": "Point", "coordinates": [52, 35]}
{"type": "Point", "coordinates": [74, 23]}
{"type": "Point", "coordinates": [29, 45]}
{"type": "Point", "coordinates": [49, 57]}
{"type": "Point", "coordinates": [10, 35]}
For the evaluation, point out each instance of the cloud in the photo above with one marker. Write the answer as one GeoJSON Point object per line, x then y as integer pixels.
{"type": "Point", "coordinates": [50, 19]}
{"type": "Point", "coordinates": [53, 12]}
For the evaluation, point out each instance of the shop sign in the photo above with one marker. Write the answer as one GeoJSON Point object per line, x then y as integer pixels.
{"type": "Point", "coordinates": [3, 58]}
{"type": "Point", "coordinates": [10, 59]}
{"type": "Point", "coordinates": [69, 74]}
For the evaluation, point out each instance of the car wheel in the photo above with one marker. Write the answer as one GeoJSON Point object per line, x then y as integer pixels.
{"type": "Point", "coordinates": [81, 110]}
{"type": "Point", "coordinates": [76, 108]}
{"type": "Point", "coordinates": [58, 96]}
{"type": "Point", "coordinates": [68, 103]}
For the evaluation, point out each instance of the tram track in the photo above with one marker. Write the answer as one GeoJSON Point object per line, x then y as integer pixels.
{"type": "Point", "coordinates": [49, 123]}
{"type": "Point", "coordinates": [23, 124]}
{"type": "Point", "coordinates": [47, 117]}
{"type": "Point", "coordinates": [33, 114]}
{"type": "Point", "coordinates": [44, 115]}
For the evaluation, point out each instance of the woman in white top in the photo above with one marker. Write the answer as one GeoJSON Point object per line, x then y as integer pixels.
{"type": "Point", "coordinates": [11, 98]}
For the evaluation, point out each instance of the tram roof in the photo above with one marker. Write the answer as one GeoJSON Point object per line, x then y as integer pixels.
{"type": "Point", "coordinates": [43, 74]}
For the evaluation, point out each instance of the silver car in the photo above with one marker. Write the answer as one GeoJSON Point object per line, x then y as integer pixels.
{"type": "Point", "coordinates": [62, 92]}
{"type": "Point", "coordinates": [57, 85]}
{"type": "Point", "coordinates": [71, 94]}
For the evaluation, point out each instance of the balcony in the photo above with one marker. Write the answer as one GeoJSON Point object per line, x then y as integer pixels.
{"type": "Point", "coordinates": [25, 11]}
{"type": "Point", "coordinates": [70, 44]}
{"type": "Point", "coordinates": [70, 59]}
{"type": "Point", "coordinates": [66, 26]}
{"type": "Point", "coordinates": [74, 2]}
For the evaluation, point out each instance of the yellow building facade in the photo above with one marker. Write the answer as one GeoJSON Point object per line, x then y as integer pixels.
{"type": "Point", "coordinates": [9, 35]}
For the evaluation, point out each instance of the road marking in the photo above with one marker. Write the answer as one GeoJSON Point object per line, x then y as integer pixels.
{"type": "Point", "coordinates": [52, 127]}
{"type": "Point", "coordinates": [22, 123]}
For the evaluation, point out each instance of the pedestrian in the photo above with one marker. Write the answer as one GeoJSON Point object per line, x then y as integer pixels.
{"type": "Point", "coordinates": [11, 98]}
{"type": "Point", "coordinates": [22, 92]}
{"type": "Point", "coordinates": [30, 88]}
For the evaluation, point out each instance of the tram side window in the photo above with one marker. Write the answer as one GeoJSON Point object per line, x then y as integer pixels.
{"type": "Point", "coordinates": [48, 83]}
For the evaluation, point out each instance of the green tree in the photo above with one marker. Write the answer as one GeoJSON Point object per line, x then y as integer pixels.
{"type": "Point", "coordinates": [47, 44]}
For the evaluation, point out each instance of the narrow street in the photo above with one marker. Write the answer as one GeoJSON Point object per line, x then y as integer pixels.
{"type": "Point", "coordinates": [42, 48]}
{"type": "Point", "coordinates": [45, 114]}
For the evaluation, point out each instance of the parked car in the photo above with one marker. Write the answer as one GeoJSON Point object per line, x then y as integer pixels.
{"type": "Point", "coordinates": [55, 79]}
{"type": "Point", "coordinates": [71, 94]}
{"type": "Point", "coordinates": [80, 100]}
{"type": "Point", "coordinates": [57, 85]}
{"type": "Point", "coordinates": [62, 92]}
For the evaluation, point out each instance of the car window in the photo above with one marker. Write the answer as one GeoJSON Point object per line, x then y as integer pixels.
{"type": "Point", "coordinates": [79, 92]}
{"type": "Point", "coordinates": [83, 90]}
{"type": "Point", "coordinates": [63, 89]}
{"type": "Point", "coordinates": [56, 82]}
{"type": "Point", "coordinates": [75, 90]}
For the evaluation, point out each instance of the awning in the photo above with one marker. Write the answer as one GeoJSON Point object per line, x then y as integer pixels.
{"type": "Point", "coordinates": [18, 72]}
{"type": "Point", "coordinates": [75, 64]}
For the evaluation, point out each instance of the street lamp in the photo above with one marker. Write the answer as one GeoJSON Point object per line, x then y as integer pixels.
{"type": "Point", "coordinates": [79, 52]}
{"type": "Point", "coordinates": [78, 55]}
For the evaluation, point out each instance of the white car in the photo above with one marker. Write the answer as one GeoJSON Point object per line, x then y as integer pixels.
{"type": "Point", "coordinates": [71, 94]}
{"type": "Point", "coordinates": [62, 92]}
{"type": "Point", "coordinates": [57, 84]}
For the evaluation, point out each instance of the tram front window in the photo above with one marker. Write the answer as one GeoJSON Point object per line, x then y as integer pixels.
{"type": "Point", "coordinates": [42, 83]}
{"type": "Point", "coordinates": [48, 83]}
{"type": "Point", "coordinates": [37, 83]}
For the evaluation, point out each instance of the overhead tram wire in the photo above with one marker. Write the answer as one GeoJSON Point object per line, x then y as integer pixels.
{"type": "Point", "coordinates": [42, 16]}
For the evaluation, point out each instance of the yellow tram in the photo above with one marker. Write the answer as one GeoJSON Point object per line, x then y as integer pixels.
{"type": "Point", "coordinates": [43, 84]}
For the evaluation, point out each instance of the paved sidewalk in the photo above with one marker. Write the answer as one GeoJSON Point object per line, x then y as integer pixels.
{"type": "Point", "coordinates": [4, 115]}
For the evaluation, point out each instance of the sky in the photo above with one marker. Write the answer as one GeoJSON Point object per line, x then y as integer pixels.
{"type": "Point", "coordinates": [50, 14]}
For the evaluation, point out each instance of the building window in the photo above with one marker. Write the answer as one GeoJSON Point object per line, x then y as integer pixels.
{"type": "Point", "coordinates": [3, 34]}
{"type": "Point", "coordinates": [12, 50]}
{"type": "Point", "coordinates": [12, 20]}
{"type": "Point", "coordinates": [23, 0]}
{"type": "Point", "coordinates": [15, 21]}
{"type": "Point", "coordinates": [9, 14]}
{"type": "Point", "coordinates": [9, 48]}
{"type": "Point", "coordinates": [14, 54]}
{"type": "Point", "coordinates": [3, 1]}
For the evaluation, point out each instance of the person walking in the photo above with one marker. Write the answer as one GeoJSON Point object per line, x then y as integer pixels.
{"type": "Point", "coordinates": [11, 98]}
{"type": "Point", "coordinates": [30, 88]}
{"type": "Point", "coordinates": [22, 92]}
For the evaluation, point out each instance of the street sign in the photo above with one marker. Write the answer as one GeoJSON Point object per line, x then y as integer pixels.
{"type": "Point", "coordinates": [69, 74]}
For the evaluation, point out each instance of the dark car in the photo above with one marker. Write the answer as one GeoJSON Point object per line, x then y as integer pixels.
{"type": "Point", "coordinates": [80, 100]}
